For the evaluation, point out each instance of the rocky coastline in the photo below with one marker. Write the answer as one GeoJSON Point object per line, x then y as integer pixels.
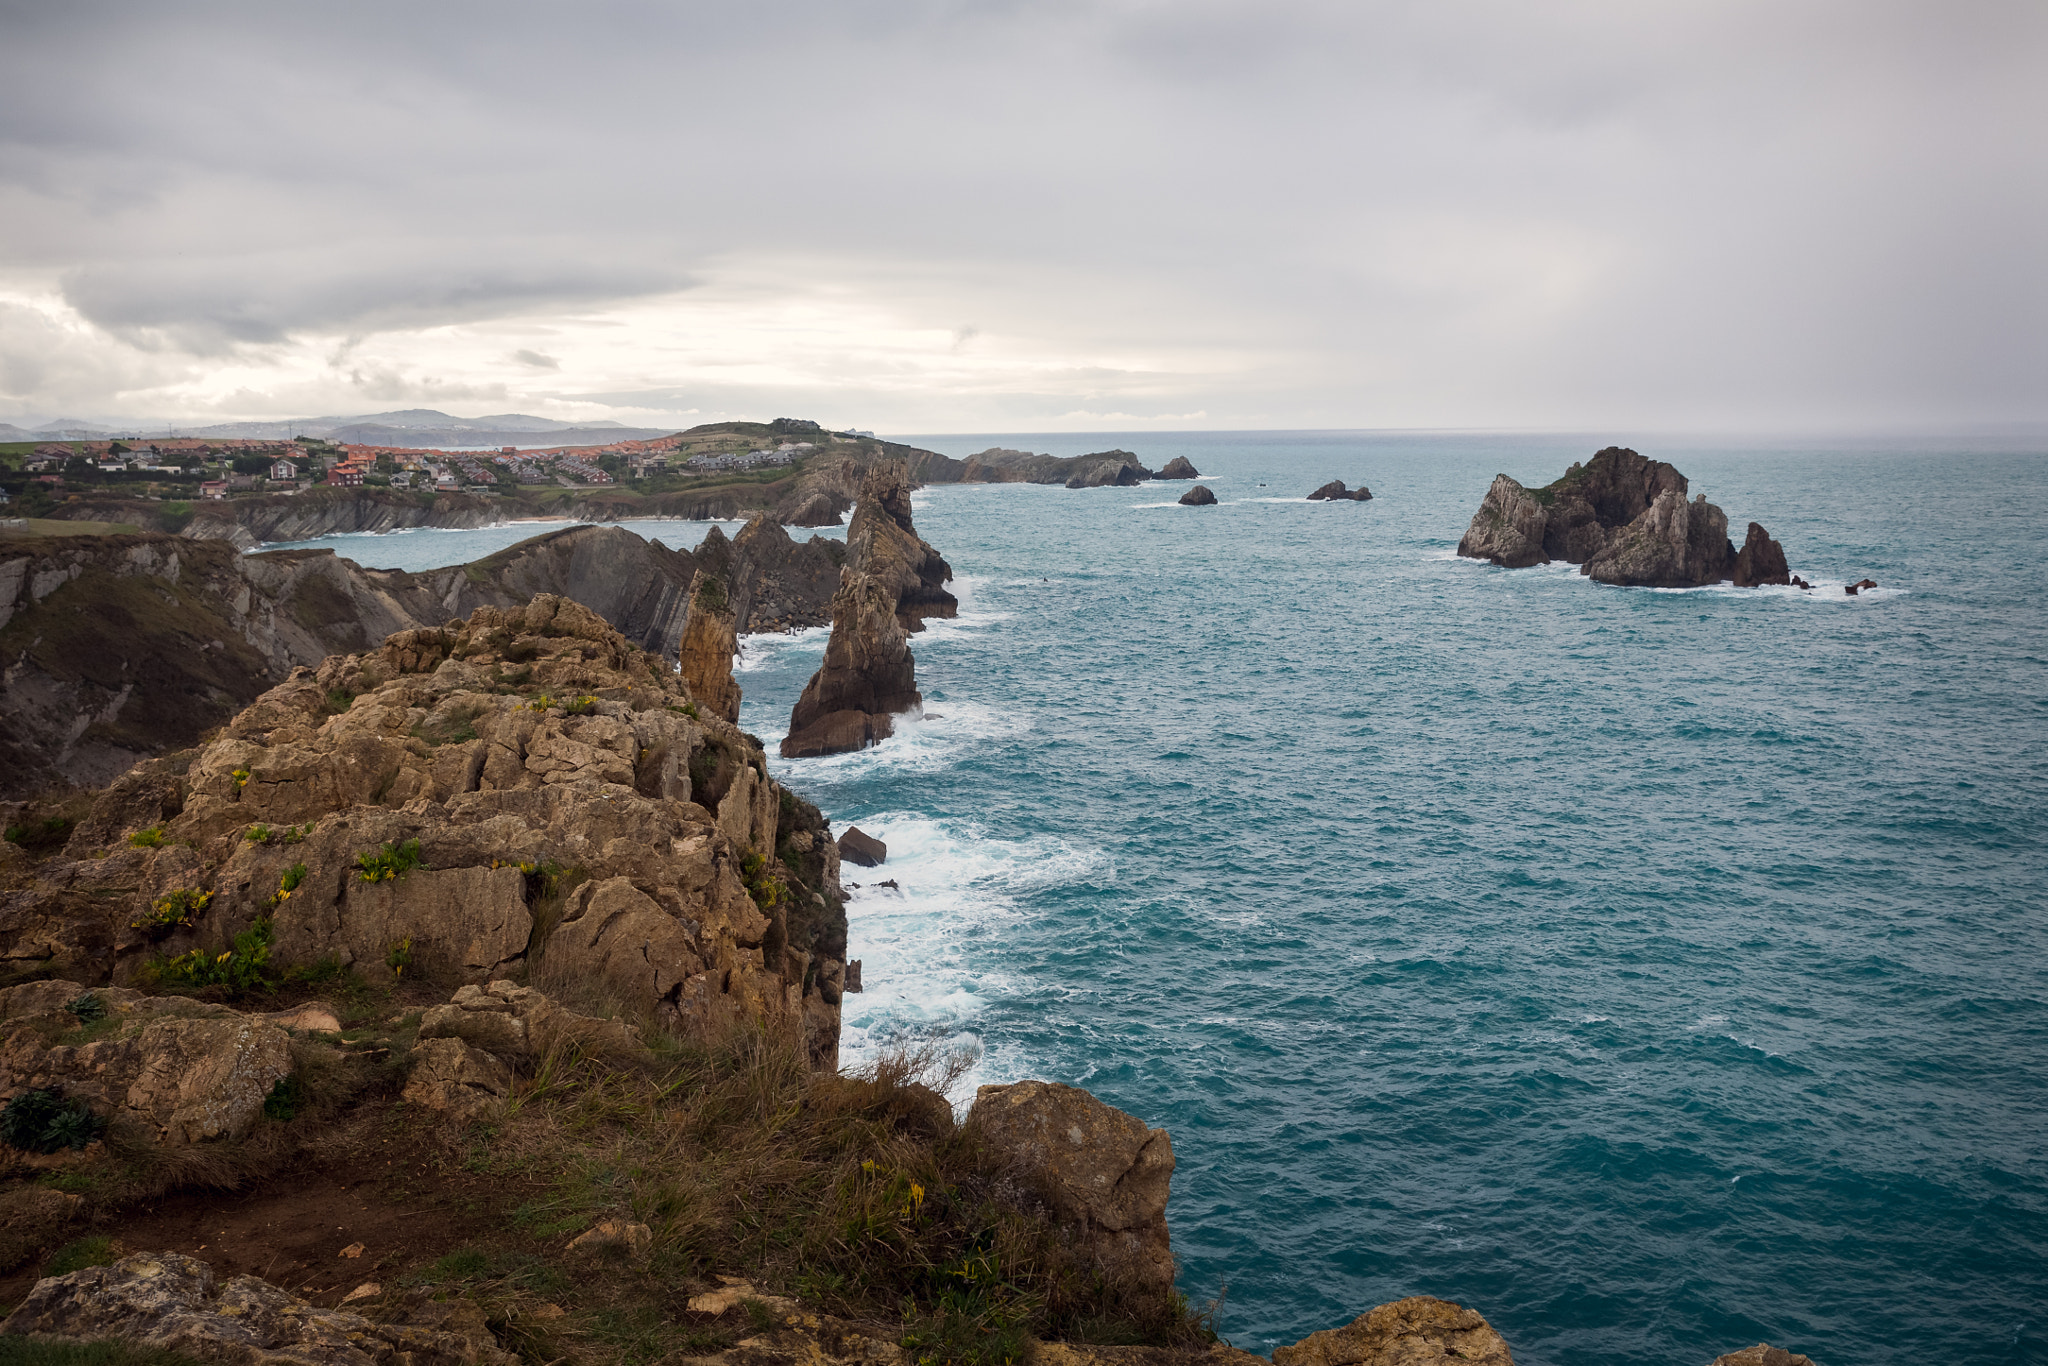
{"type": "Point", "coordinates": [1624, 520]}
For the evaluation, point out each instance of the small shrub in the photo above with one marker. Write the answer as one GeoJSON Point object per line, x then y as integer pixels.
{"type": "Point", "coordinates": [241, 777]}
{"type": "Point", "coordinates": [689, 709]}
{"type": "Point", "coordinates": [399, 957]}
{"type": "Point", "coordinates": [257, 834]}
{"type": "Point", "coordinates": [286, 1099]}
{"type": "Point", "coordinates": [42, 1121]}
{"type": "Point", "coordinates": [391, 861]}
{"type": "Point", "coordinates": [582, 706]}
{"type": "Point", "coordinates": [288, 884]}
{"type": "Point", "coordinates": [87, 1008]}
{"type": "Point", "coordinates": [173, 910]}
{"type": "Point", "coordinates": [296, 834]}
{"type": "Point", "coordinates": [338, 701]}
{"type": "Point", "coordinates": [151, 837]}
{"type": "Point", "coordinates": [541, 703]}
{"type": "Point", "coordinates": [239, 969]}
{"type": "Point", "coordinates": [49, 833]}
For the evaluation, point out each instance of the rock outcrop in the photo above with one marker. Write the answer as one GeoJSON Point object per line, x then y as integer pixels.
{"type": "Point", "coordinates": [1763, 1354]}
{"type": "Point", "coordinates": [1198, 497]}
{"type": "Point", "coordinates": [170, 1302]}
{"type": "Point", "coordinates": [1622, 518]}
{"type": "Point", "coordinates": [857, 846]}
{"type": "Point", "coordinates": [1335, 492]}
{"type": "Point", "coordinates": [436, 805]}
{"type": "Point", "coordinates": [1418, 1331]}
{"type": "Point", "coordinates": [891, 581]}
{"type": "Point", "coordinates": [1761, 560]}
{"type": "Point", "coordinates": [1099, 469]}
{"type": "Point", "coordinates": [708, 645]}
{"type": "Point", "coordinates": [1180, 467]}
{"type": "Point", "coordinates": [1101, 1170]}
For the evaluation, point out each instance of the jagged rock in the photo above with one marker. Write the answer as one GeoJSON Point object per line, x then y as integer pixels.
{"type": "Point", "coordinates": [1106, 468]}
{"type": "Point", "coordinates": [462, 1082]}
{"type": "Point", "coordinates": [615, 1238]}
{"type": "Point", "coordinates": [1508, 528]}
{"type": "Point", "coordinates": [189, 1070]}
{"type": "Point", "coordinates": [1763, 1354]}
{"type": "Point", "coordinates": [1101, 1170]}
{"type": "Point", "coordinates": [170, 1302]}
{"type": "Point", "coordinates": [1675, 544]}
{"type": "Point", "coordinates": [1198, 497]}
{"type": "Point", "coordinates": [708, 645]}
{"type": "Point", "coordinates": [890, 581]}
{"type": "Point", "coordinates": [519, 1025]}
{"type": "Point", "coordinates": [1867, 583]}
{"type": "Point", "coordinates": [1761, 560]}
{"type": "Point", "coordinates": [514, 748]}
{"type": "Point", "coordinates": [1418, 1331]}
{"type": "Point", "coordinates": [1179, 468]}
{"type": "Point", "coordinates": [1334, 491]}
{"type": "Point", "coordinates": [1592, 502]}
{"type": "Point", "coordinates": [778, 584]}
{"type": "Point", "coordinates": [856, 846]}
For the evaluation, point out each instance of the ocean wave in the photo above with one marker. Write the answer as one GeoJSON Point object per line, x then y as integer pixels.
{"type": "Point", "coordinates": [768, 648]}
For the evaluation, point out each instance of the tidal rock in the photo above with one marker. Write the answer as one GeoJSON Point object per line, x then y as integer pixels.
{"type": "Point", "coordinates": [1675, 544]}
{"type": "Point", "coordinates": [857, 846]}
{"type": "Point", "coordinates": [1334, 491]}
{"type": "Point", "coordinates": [1508, 528]}
{"type": "Point", "coordinates": [1198, 497]}
{"type": "Point", "coordinates": [170, 1302]}
{"type": "Point", "coordinates": [1761, 560]}
{"type": "Point", "coordinates": [1763, 1354]}
{"type": "Point", "coordinates": [1417, 1331]}
{"type": "Point", "coordinates": [1798, 582]}
{"type": "Point", "coordinates": [1866, 583]}
{"type": "Point", "coordinates": [709, 641]}
{"type": "Point", "coordinates": [1103, 1171]}
{"type": "Point", "coordinates": [1179, 468]}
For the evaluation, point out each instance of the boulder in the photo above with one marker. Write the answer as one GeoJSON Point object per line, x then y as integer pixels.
{"type": "Point", "coordinates": [614, 1238]}
{"type": "Point", "coordinates": [1508, 528]}
{"type": "Point", "coordinates": [1417, 1331]}
{"type": "Point", "coordinates": [1179, 468]}
{"type": "Point", "coordinates": [1334, 491]}
{"type": "Point", "coordinates": [1198, 497]}
{"type": "Point", "coordinates": [518, 1025]}
{"type": "Point", "coordinates": [170, 1302]}
{"type": "Point", "coordinates": [1761, 560]}
{"type": "Point", "coordinates": [462, 1082]}
{"type": "Point", "coordinates": [710, 639]}
{"type": "Point", "coordinates": [1675, 544]}
{"type": "Point", "coordinates": [857, 846]}
{"type": "Point", "coordinates": [1763, 1354]}
{"type": "Point", "coordinates": [1103, 1171]}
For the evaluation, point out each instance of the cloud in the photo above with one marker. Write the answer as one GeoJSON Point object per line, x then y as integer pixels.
{"type": "Point", "coordinates": [536, 360]}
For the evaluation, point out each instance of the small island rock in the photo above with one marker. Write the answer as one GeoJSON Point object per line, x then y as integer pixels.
{"type": "Point", "coordinates": [1417, 1331]}
{"type": "Point", "coordinates": [1763, 1354]}
{"type": "Point", "coordinates": [857, 846]}
{"type": "Point", "coordinates": [1508, 528]}
{"type": "Point", "coordinates": [1761, 560]}
{"type": "Point", "coordinates": [1335, 492]}
{"type": "Point", "coordinates": [1197, 497]}
{"type": "Point", "coordinates": [1179, 468]}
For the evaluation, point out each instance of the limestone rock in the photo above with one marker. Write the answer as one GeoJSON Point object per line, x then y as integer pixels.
{"type": "Point", "coordinates": [1763, 1354]}
{"type": "Point", "coordinates": [882, 543]}
{"type": "Point", "coordinates": [1100, 1169]}
{"type": "Point", "coordinates": [615, 1238]}
{"type": "Point", "coordinates": [1334, 491]}
{"type": "Point", "coordinates": [1761, 560]}
{"type": "Point", "coordinates": [1674, 544]}
{"type": "Point", "coordinates": [1508, 528]}
{"type": "Point", "coordinates": [1418, 1331]}
{"type": "Point", "coordinates": [1198, 497]}
{"type": "Point", "coordinates": [708, 644]}
{"type": "Point", "coordinates": [519, 1025]}
{"type": "Point", "coordinates": [170, 1302]}
{"type": "Point", "coordinates": [1593, 501]}
{"type": "Point", "coordinates": [462, 1082]}
{"type": "Point", "coordinates": [1178, 468]}
{"type": "Point", "coordinates": [857, 846]}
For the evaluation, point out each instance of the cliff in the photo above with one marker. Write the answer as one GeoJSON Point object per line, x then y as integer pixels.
{"type": "Point", "coordinates": [1622, 518]}
{"type": "Point", "coordinates": [1096, 470]}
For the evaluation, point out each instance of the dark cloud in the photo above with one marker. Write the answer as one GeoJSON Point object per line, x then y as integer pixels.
{"type": "Point", "coordinates": [1494, 211]}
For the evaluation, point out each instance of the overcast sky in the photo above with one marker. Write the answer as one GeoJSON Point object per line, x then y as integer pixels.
{"type": "Point", "coordinates": [1030, 216]}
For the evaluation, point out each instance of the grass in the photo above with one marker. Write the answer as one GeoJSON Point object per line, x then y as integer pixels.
{"type": "Point", "coordinates": [32, 1351]}
{"type": "Point", "coordinates": [77, 1256]}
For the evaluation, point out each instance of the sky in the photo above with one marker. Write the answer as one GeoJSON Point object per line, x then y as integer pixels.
{"type": "Point", "coordinates": [1006, 215]}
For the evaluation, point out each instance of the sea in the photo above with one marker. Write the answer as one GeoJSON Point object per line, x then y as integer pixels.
{"type": "Point", "coordinates": [1657, 972]}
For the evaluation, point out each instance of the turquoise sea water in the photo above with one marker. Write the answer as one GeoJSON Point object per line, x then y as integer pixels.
{"type": "Point", "coordinates": [1657, 972]}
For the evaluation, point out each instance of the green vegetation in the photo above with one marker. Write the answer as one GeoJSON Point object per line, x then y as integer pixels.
{"type": "Point", "coordinates": [237, 970]}
{"type": "Point", "coordinates": [286, 1099]}
{"type": "Point", "coordinates": [174, 910]}
{"type": "Point", "coordinates": [41, 836]}
{"type": "Point", "coordinates": [87, 1008]}
{"type": "Point", "coordinates": [288, 884]}
{"type": "Point", "coordinates": [78, 1255]}
{"type": "Point", "coordinates": [151, 837]}
{"type": "Point", "coordinates": [43, 1121]}
{"type": "Point", "coordinates": [391, 861]}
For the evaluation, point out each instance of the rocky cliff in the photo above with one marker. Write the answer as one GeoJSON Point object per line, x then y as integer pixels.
{"type": "Point", "coordinates": [891, 581]}
{"type": "Point", "coordinates": [1622, 518]}
{"type": "Point", "coordinates": [1096, 470]}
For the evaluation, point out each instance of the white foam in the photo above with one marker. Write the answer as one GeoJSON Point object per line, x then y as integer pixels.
{"type": "Point", "coordinates": [769, 647]}
{"type": "Point", "coordinates": [923, 742]}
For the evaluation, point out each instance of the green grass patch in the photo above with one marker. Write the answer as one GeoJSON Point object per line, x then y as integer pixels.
{"type": "Point", "coordinates": [80, 1254]}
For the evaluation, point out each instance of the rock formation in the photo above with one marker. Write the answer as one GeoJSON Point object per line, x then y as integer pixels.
{"type": "Point", "coordinates": [1198, 497]}
{"type": "Point", "coordinates": [1180, 467]}
{"type": "Point", "coordinates": [1334, 491]}
{"type": "Point", "coordinates": [1417, 1331]}
{"type": "Point", "coordinates": [1098, 469]}
{"type": "Point", "coordinates": [1100, 1169]}
{"type": "Point", "coordinates": [1622, 518]}
{"type": "Point", "coordinates": [891, 581]}
{"type": "Point", "coordinates": [709, 642]}
{"type": "Point", "coordinates": [531, 784]}
{"type": "Point", "coordinates": [1763, 1354]}
{"type": "Point", "coordinates": [857, 846]}
{"type": "Point", "coordinates": [1761, 560]}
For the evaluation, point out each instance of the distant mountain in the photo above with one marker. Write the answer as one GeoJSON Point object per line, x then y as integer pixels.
{"type": "Point", "coordinates": [405, 427]}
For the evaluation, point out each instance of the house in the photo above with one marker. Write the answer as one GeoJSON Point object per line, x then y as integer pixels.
{"type": "Point", "coordinates": [113, 466]}
{"type": "Point", "coordinates": [214, 488]}
{"type": "Point", "coordinates": [346, 476]}
{"type": "Point", "coordinates": [284, 470]}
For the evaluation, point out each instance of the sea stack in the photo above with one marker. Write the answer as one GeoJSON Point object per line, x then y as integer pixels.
{"type": "Point", "coordinates": [1335, 492]}
{"type": "Point", "coordinates": [704, 655]}
{"type": "Point", "coordinates": [1198, 497]}
{"type": "Point", "coordinates": [1179, 468]}
{"type": "Point", "coordinates": [890, 582]}
{"type": "Point", "coordinates": [1761, 560]}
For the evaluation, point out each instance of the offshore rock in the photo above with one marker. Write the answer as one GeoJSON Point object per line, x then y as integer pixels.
{"type": "Point", "coordinates": [170, 1302]}
{"type": "Point", "coordinates": [1761, 560]}
{"type": "Point", "coordinates": [892, 580]}
{"type": "Point", "coordinates": [1593, 501]}
{"type": "Point", "coordinates": [1179, 468]}
{"type": "Point", "coordinates": [1097, 469]}
{"type": "Point", "coordinates": [516, 748]}
{"type": "Point", "coordinates": [1100, 1169]}
{"type": "Point", "coordinates": [1198, 497]}
{"type": "Point", "coordinates": [1675, 544]}
{"type": "Point", "coordinates": [1763, 1354]}
{"type": "Point", "coordinates": [857, 846]}
{"type": "Point", "coordinates": [1418, 1331]}
{"type": "Point", "coordinates": [1334, 491]}
{"type": "Point", "coordinates": [1508, 528]}
{"type": "Point", "coordinates": [708, 644]}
